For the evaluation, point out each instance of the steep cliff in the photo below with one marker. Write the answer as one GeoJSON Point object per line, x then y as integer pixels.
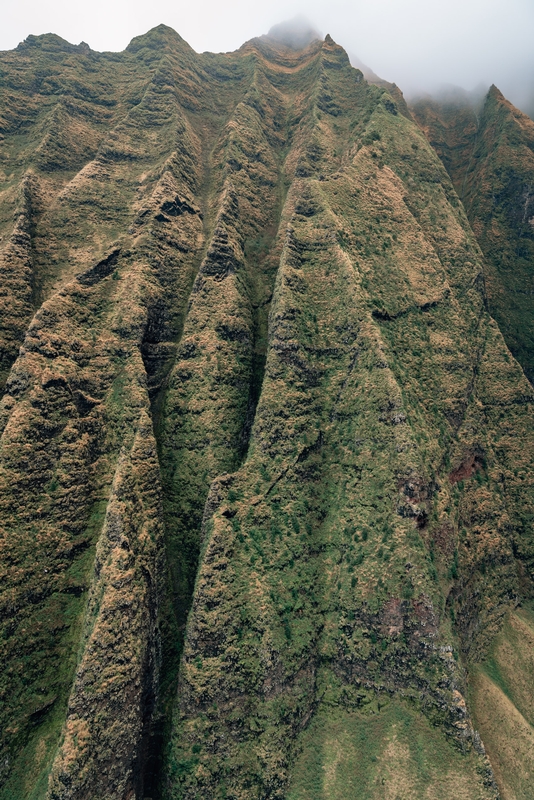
{"type": "Point", "coordinates": [488, 150]}
{"type": "Point", "coordinates": [266, 459]}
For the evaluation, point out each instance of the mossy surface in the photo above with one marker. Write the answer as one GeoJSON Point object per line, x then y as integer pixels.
{"type": "Point", "coordinates": [266, 459]}
{"type": "Point", "coordinates": [488, 152]}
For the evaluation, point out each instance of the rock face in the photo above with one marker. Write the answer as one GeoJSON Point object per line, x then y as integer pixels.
{"type": "Point", "coordinates": [266, 458]}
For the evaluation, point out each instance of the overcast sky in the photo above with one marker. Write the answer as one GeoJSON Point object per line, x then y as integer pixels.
{"type": "Point", "coordinates": [416, 43]}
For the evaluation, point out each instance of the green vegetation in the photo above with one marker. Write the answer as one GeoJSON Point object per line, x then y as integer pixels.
{"type": "Point", "coordinates": [391, 751]}
{"type": "Point", "coordinates": [488, 153]}
{"type": "Point", "coordinates": [266, 460]}
{"type": "Point", "coordinates": [501, 690]}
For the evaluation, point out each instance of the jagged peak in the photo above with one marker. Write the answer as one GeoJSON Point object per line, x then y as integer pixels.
{"type": "Point", "coordinates": [162, 36]}
{"type": "Point", "coordinates": [52, 43]}
{"type": "Point", "coordinates": [334, 55]}
{"type": "Point", "coordinates": [494, 95]}
{"type": "Point", "coordinates": [277, 53]}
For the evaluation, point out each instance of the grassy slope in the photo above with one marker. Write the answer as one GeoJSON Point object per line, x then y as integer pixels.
{"type": "Point", "coordinates": [380, 756]}
{"type": "Point", "coordinates": [81, 382]}
{"type": "Point", "coordinates": [329, 560]}
{"type": "Point", "coordinates": [262, 210]}
{"type": "Point", "coordinates": [502, 699]}
{"type": "Point", "coordinates": [489, 156]}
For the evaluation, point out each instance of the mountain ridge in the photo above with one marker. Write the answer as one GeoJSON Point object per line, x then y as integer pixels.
{"type": "Point", "coordinates": [489, 159]}
{"type": "Point", "coordinates": [265, 455]}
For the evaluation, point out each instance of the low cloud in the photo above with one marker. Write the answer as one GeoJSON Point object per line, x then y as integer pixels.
{"type": "Point", "coordinates": [295, 33]}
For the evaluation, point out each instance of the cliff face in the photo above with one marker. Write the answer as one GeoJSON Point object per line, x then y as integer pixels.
{"type": "Point", "coordinates": [489, 154]}
{"type": "Point", "coordinates": [266, 459]}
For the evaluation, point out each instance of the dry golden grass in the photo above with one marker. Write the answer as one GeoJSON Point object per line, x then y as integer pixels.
{"type": "Point", "coordinates": [507, 736]}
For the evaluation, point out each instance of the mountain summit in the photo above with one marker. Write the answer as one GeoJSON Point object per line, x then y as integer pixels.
{"type": "Point", "coordinates": [266, 459]}
{"type": "Point", "coordinates": [295, 33]}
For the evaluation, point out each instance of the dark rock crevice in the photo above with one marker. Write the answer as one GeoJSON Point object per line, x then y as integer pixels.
{"type": "Point", "coordinates": [18, 295]}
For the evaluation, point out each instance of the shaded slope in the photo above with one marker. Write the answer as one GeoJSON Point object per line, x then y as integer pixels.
{"type": "Point", "coordinates": [260, 379]}
{"type": "Point", "coordinates": [488, 153]}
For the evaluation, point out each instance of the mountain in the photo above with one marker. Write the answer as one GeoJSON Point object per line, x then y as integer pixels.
{"type": "Point", "coordinates": [488, 150]}
{"type": "Point", "coordinates": [265, 456]}
{"type": "Point", "coordinates": [295, 33]}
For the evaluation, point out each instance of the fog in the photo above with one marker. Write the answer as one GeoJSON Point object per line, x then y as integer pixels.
{"type": "Point", "coordinates": [418, 44]}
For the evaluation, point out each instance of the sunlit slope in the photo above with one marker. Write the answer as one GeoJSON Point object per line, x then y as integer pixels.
{"type": "Point", "coordinates": [265, 466]}
{"type": "Point", "coordinates": [503, 702]}
{"type": "Point", "coordinates": [367, 755]}
{"type": "Point", "coordinates": [489, 154]}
